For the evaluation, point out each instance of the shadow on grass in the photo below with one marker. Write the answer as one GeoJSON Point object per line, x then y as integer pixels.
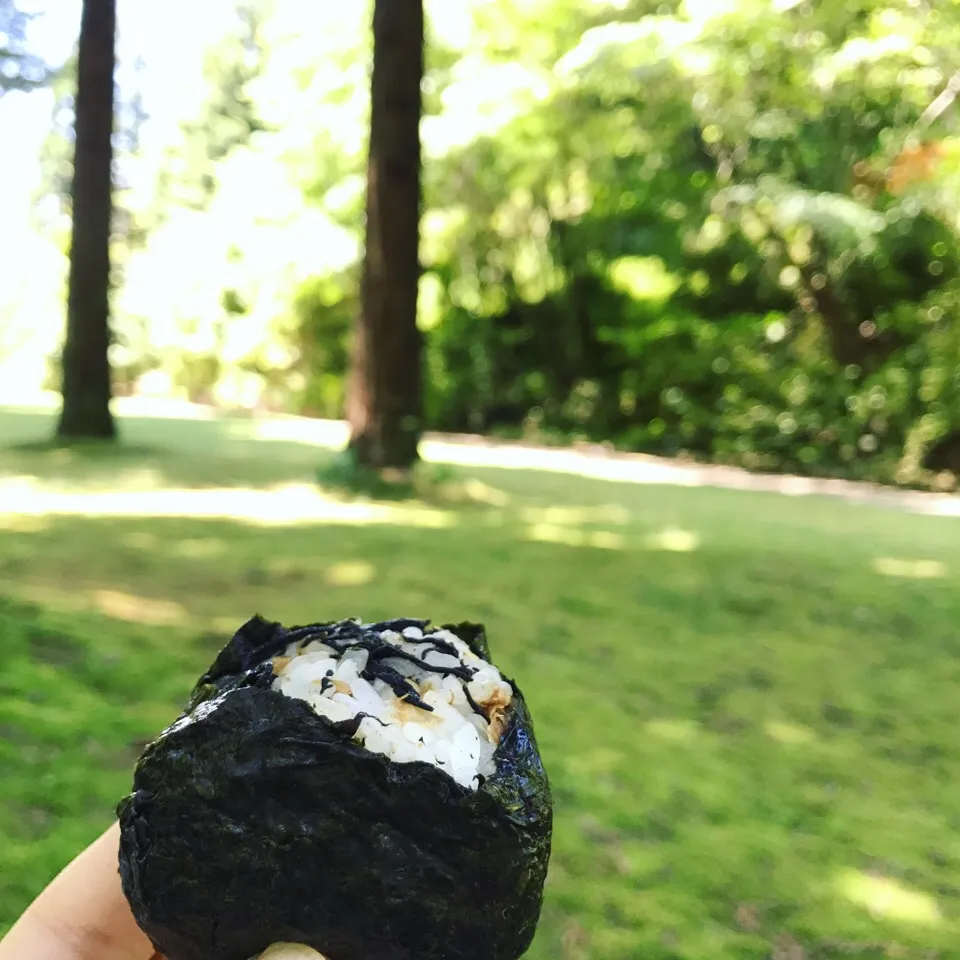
{"type": "Point", "coordinates": [208, 453]}
{"type": "Point", "coordinates": [184, 453]}
{"type": "Point", "coordinates": [742, 758]}
{"type": "Point", "coordinates": [163, 453]}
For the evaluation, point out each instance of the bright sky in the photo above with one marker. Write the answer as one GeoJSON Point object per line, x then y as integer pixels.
{"type": "Point", "coordinates": [171, 38]}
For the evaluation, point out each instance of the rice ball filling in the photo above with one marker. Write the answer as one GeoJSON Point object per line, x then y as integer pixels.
{"type": "Point", "coordinates": [409, 695]}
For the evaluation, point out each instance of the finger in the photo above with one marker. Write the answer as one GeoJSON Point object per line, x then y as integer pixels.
{"type": "Point", "coordinates": [82, 914]}
{"type": "Point", "coordinates": [290, 951]}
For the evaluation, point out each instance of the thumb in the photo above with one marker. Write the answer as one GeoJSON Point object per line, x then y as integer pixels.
{"type": "Point", "coordinates": [290, 951]}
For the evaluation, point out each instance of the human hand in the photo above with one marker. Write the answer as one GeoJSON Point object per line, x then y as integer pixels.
{"type": "Point", "coordinates": [83, 915]}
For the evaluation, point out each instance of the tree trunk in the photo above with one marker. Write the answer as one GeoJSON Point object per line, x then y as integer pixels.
{"type": "Point", "coordinates": [384, 398]}
{"type": "Point", "coordinates": [86, 368]}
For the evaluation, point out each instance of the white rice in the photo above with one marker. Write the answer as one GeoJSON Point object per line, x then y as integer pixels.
{"type": "Point", "coordinates": [453, 736]}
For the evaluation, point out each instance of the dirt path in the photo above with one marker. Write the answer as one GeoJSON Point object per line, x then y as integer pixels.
{"type": "Point", "coordinates": [592, 461]}
{"type": "Point", "coordinates": [601, 464]}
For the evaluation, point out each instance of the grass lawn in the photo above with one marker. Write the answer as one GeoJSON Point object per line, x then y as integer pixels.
{"type": "Point", "coordinates": [748, 704]}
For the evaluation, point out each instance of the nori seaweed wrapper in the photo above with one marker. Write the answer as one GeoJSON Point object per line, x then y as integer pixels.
{"type": "Point", "coordinates": [254, 820]}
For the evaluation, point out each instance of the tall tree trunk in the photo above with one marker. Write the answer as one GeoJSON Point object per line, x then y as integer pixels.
{"type": "Point", "coordinates": [86, 368]}
{"type": "Point", "coordinates": [384, 399]}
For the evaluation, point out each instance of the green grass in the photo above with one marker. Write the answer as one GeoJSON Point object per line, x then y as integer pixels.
{"type": "Point", "coordinates": [747, 703]}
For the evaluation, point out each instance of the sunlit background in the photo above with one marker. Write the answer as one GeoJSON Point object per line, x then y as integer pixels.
{"type": "Point", "coordinates": [702, 258]}
{"type": "Point", "coordinates": [738, 218]}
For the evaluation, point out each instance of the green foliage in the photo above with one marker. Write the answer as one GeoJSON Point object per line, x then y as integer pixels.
{"type": "Point", "coordinates": [755, 150]}
{"type": "Point", "coordinates": [324, 311]}
{"type": "Point", "coordinates": [228, 118]}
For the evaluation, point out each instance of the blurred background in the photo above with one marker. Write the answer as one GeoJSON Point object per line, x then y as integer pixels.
{"type": "Point", "coordinates": [689, 325]}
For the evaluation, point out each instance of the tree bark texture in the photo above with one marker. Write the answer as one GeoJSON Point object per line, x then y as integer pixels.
{"type": "Point", "coordinates": [384, 405]}
{"type": "Point", "coordinates": [86, 367]}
